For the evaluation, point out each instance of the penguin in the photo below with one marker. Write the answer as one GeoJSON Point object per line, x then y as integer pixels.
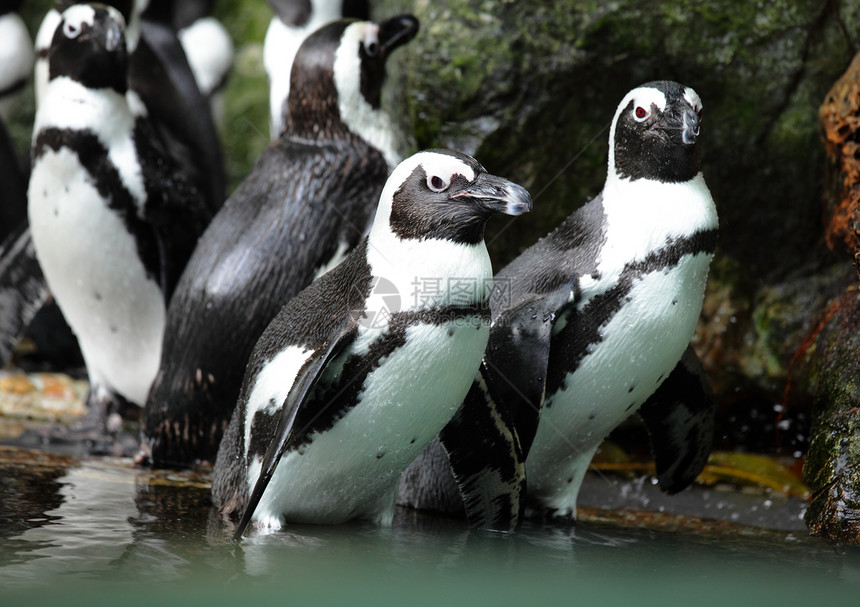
{"type": "Point", "coordinates": [308, 200]}
{"type": "Point", "coordinates": [16, 56]}
{"type": "Point", "coordinates": [593, 323]}
{"type": "Point", "coordinates": [160, 74]}
{"type": "Point", "coordinates": [111, 220]}
{"type": "Point", "coordinates": [359, 371]}
{"type": "Point", "coordinates": [293, 21]}
{"type": "Point", "coordinates": [130, 10]}
{"type": "Point", "coordinates": [16, 63]}
{"type": "Point", "coordinates": [205, 41]}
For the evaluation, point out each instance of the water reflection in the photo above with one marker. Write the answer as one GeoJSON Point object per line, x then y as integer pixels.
{"type": "Point", "coordinates": [84, 535]}
{"type": "Point", "coordinates": [109, 530]}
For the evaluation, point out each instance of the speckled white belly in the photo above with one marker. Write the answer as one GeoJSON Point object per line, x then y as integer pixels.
{"type": "Point", "coordinates": [91, 266]}
{"type": "Point", "coordinates": [641, 345]}
{"type": "Point", "coordinates": [352, 470]}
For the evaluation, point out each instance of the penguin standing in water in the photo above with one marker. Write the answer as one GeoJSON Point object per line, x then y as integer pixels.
{"type": "Point", "coordinates": [344, 389]}
{"type": "Point", "coordinates": [112, 222]}
{"type": "Point", "coordinates": [308, 200]}
{"type": "Point", "coordinates": [592, 324]}
{"type": "Point", "coordinates": [295, 20]}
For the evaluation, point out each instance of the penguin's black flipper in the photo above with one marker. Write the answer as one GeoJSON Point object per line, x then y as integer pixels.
{"type": "Point", "coordinates": [680, 420]}
{"type": "Point", "coordinates": [307, 378]}
{"type": "Point", "coordinates": [515, 364]}
{"type": "Point", "coordinates": [159, 72]}
{"type": "Point", "coordinates": [503, 409]}
{"type": "Point", "coordinates": [23, 289]}
{"type": "Point", "coordinates": [486, 460]}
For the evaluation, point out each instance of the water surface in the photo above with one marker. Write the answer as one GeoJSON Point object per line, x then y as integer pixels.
{"type": "Point", "coordinates": [100, 531]}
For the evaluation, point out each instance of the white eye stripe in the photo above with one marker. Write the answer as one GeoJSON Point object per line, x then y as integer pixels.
{"type": "Point", "coordinates": [71, 30]}
{"type": "Point", "coordinates": [371, 40]}
{"type": "Point", "coordinates": [641, 113]}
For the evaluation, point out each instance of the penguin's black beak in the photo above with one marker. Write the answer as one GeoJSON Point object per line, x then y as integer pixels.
{"type": "Point", "coordinates": [397, 31]}
{"type": "Point", "coordinates": [682, 125]}
{"type": "Point", "coordinates": [690, 129]}
{"type": "Point", "coordinates": [496, 194]}
{"type": "Point", "coordinates": [112, 34]}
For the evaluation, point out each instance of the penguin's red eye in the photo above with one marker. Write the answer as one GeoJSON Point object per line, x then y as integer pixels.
{"type": "Point", "coordinates": [641, 113]}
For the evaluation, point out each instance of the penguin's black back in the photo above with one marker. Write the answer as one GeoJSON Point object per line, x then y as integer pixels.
{"type": "Point", "coordinates": [284, 222]}
{"type": "Point", "coordinates": [549, 263]}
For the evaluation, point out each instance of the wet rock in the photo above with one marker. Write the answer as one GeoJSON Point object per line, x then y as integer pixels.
{"type": "Point", "coordinates": [833, 463]}
{"type": "Point", "coordinates": [832, 468]}
{"type": "Point", "coordinates": [530, 87]}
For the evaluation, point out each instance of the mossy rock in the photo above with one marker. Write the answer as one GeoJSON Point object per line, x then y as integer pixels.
{"type": "Point", "coordinates": [832, 468]}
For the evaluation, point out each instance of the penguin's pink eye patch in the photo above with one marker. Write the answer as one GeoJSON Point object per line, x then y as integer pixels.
{"type": "Point", "coordinates": [436, 183]}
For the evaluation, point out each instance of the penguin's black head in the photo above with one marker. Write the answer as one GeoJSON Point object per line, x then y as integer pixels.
{"type": "Point", "coordinates": [292, 12]}
{"type": "Point", "coordinates": [338, 73]}
{"type": "Point", "coordinates": [298, 12]}
{"type": "Point", "coordinates": [656, 133]}
{"type": "Point", "coordinates": [440, 194]}
{"type": "Point", "coordinates": [123, 6]}
{"type": "Point", "coordinates": [89, 47]}
{"type": "Point", "coordinates": [10, 6]}
{"type": "Point", "coordinates": [177, 15]}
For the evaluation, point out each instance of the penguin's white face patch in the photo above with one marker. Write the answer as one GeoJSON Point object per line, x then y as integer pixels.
{"type": "Point", "coordinates": [645, 99]}
{"type": "Point", "coordinates": [372, 125]}
{"type": "Point", "coordinates": [77, 16]}
{"type": "Point", "coordinates": [691, 97]}
{"type": "Point", "coordinates": [440, 170]}
{"type": "Point", "coordinates": [370, 40]}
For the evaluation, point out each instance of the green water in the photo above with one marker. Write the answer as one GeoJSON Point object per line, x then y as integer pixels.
{"type": "Point", "coordinates": [103, 533]}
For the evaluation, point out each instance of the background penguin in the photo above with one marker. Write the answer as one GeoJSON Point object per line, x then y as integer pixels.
{"type": "Point", "coordinates": [343, 389]}
{"type": "Point", "coordinates": [16, 63]}
{"type": "Point", "coordinates": [295, 20]}
{"type": "Point", "coordinates": [205, 42]}
{"type": "Point", "coordinates": [112, 223]}
{"type": "Point", "coordinates": [160, 74]}
{"type": "Point", "coordinates": [594, 322]}
{"type": "Point", "coordinates": [307, 201]}
{"type": "Point", "coordinates": [16, 55]}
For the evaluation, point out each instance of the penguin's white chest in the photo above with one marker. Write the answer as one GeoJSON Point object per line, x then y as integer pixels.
{"type": "Point", "coordinates": [352, 469]}
{"type": "Point", "coordinates": [639, 346]}
{"type": "Point", "coordinates": [92, 267]}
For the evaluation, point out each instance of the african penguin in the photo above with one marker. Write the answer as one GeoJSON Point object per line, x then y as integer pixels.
{"type": "Point", "coordinates": [206, 42]}
{"type": "Point", "coordinates": [308, 200]}
{"type": "Point", "coordinates": [160, 74]}
{"type": "Point", "coordinates": [593, 323]}
{"type": "Point", "coordinates": [16, 63]}
{"type": "Point", "coordinates": [293, 21]}
{"type": "Point", "coordinates": [130, 10]}
{"type": "Point", "coordinates": [112, 222]}
{"type": "Point", "coordinates": [16, 56]}
{"type": "Point", "coordinates": [359, 371]}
